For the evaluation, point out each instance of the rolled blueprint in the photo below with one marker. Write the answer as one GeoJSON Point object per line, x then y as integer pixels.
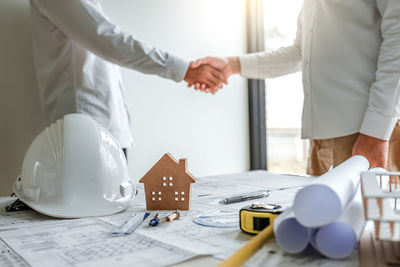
{"type": "Point", "coordinates": [313, 237]}
{"type": "Point", "coordinates": [338, 239]}
{"type": "Point", "coordinates": [290, 234]}
{"type": "Point", "coordinates": [324, 200]}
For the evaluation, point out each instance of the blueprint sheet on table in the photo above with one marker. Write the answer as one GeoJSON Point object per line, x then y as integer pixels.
{"type": "Point", "coordinates": [32, 239]}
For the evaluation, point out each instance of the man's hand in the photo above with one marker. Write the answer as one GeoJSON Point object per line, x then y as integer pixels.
{"type": "Point", "coordinates": [207, 75]}
{"type": "Point", "coordinates": [374, 149]}
{"type": "Point", "coordinates": [227, 66]}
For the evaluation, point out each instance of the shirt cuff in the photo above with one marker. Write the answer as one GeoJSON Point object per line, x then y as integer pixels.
{"type": "Point", "coordinates": [176, 68]}
{"type": "Point", "coordinates": [249, 65]}
{"type": "Point", "coordinates": [378, 125]}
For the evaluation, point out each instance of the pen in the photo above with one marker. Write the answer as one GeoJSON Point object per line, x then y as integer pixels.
{"type": "Point", "coordinates": [245, 197]}
{"type": "Point", "coordinates": [174, 216]}
{"type": "Point", "coordinates": [131, 224]}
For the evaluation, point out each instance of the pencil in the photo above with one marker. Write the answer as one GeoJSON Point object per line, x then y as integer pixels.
{"type": "Point", "coordinates": [248, 249]}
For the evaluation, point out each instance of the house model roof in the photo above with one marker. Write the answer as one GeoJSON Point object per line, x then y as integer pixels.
{"type": "Point", "coordinates": [167, 162]}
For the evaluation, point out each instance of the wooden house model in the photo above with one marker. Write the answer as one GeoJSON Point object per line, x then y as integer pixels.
{"type": "Point", "coordinates": [167, 185]}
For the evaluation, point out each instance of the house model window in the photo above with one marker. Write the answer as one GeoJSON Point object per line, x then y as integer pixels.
{"type": "Point", "coordinates": [167, 184]}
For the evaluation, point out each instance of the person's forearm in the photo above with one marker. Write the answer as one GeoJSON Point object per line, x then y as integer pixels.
{"type": "Point", "coordinates": [282, 61]}
{"type": "Point", "coordinates": [264, 65]}
{"type": "Point", "coordinates": [234, 63]}
{"type": "Point", "coordinates": [384, 95]}
{"type": "Point", "coordinates": [87, 25]}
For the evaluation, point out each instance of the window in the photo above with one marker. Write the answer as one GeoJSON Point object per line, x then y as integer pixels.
{"type": "Point", "coordinates": [286, 152]}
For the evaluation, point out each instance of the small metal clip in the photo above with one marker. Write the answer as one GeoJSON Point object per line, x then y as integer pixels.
{"type": "Point", "coordinates": [258, 205]}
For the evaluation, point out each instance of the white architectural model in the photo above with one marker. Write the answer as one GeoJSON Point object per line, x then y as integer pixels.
{"type": "Point", "coordinates": [380, 190]}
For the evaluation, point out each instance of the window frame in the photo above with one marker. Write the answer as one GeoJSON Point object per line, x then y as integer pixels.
{"type": "Point", "coordinates": [256, 89]}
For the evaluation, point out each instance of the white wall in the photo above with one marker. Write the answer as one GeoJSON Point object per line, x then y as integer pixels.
{"type": "Point", "coordinates": [212, 131]}
{"type": "Point", "coordinates": [19, 101]}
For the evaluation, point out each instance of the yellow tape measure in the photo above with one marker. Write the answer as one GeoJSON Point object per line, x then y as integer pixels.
{"type": "Point", "coordinates": [254, 219]}
{"type": "Point", "coordinates": [257, 217]}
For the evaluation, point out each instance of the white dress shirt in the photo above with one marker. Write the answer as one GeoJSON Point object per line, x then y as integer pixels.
{"type": "Point", "coordinates": [349, 52]}
{"type": "Point", "coordinates": [77, 50]}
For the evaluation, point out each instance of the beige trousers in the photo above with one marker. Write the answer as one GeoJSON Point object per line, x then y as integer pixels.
{"type": "Point", "coordinates": [325, 153]}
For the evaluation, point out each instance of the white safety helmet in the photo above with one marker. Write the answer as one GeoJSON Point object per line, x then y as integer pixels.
{"type": "Point", "coordinates": [75, 168]}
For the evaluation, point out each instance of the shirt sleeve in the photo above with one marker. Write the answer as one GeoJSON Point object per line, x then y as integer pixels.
{"type": "Point", "coordinates": [282, 61]}
{"type": "Point", "coordinates": [84, 22]}
{"type": "Point", "coordinates": [383, 107]}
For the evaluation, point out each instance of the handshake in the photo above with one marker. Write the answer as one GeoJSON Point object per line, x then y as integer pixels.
{"type": "Point", "coordinates": [210, 73]}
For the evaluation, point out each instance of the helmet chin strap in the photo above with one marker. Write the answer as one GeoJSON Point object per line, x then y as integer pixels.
{"type": "Point", "coordinates": [17, 205]}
